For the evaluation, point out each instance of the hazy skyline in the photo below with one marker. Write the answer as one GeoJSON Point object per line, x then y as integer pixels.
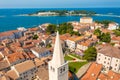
{"type": "Point", "coordinates": [58, 3]}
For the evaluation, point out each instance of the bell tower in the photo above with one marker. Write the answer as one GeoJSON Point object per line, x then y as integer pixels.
{"type": "Point", "coordinates": [58, 68]}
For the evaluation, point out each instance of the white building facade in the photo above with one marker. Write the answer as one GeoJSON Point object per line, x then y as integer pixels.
{"type": "Point", "coordinates": [71, 44]}
{"type": "Point", "coordinates": [86, 20]}
{"type": "Point", "coordinates": [23, 71]}
{"type": "Point", "coordinates": [109, 58]}
{"type": "Point", "coordinates": [113, 26]}
{"type": "Point", "coordinates": [40, 52]}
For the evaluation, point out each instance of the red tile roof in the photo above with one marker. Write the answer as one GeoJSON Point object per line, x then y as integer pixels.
{"type": "Point", "coordinates": [92, 72]}
{"type": "Point", "coordinates": [109, 76]}
{"type": "Point", "coordinates": [17, 56]}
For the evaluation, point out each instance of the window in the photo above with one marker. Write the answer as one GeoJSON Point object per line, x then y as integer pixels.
{"type": "Point", "coordinates": [61, 70]}
{"type": "Point", "coordinates": [116, 60]}
{"type": "Point", "coordinates": [104, 61]}
{"type": "Point", "coordinates": [98, 58]}
{"type": "Point", "coordinates": [64, 69]}
{"type": "Point", "coordinates": [53, 69]}
{"type": "Point", "coordinates": [105, 57]}
{"type": "Point", "coordinates": [99, 55]}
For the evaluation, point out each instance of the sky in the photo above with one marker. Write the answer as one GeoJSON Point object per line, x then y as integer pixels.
{"type": "Point", "coordinates": [58, 3]}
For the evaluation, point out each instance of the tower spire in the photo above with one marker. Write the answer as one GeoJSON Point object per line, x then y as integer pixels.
{"type": "Point", "coordinates": [58, 58]}
{"type": "Point", "coordinates": [58, 68]}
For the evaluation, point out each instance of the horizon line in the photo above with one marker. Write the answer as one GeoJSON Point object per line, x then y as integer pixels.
{"type": "Point", "coordinates": [54, 7]}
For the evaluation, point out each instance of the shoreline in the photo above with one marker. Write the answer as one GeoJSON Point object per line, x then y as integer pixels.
{"type": "Point", "coordinates": [35, 15]}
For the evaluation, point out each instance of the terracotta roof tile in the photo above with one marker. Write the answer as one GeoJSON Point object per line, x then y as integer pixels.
{"type": "Point", "coordinates": [4, 64]}
{"type": "Point", "coordinates": [12, 74]}
{"type": "Point", "coordinates": [92, 72]}
{"type": "Point", "coordinates": [24, 66]}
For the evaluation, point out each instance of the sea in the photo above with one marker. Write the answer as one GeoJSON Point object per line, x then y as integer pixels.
{"type": "Point", "coordinates": [10, 19]}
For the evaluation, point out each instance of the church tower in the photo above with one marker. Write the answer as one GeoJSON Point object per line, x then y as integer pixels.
{"type": "Point", "coordinates": [58, 68]}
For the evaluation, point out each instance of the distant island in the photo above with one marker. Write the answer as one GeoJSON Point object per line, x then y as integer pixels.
{"type": "Point", "coordinates": [63, 13]}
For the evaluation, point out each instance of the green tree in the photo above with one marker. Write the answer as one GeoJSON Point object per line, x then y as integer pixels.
{"type": "Point", "coordinates": [48, 45]}
{"type": "Point", "coordinates": [77, 33]}
{"type": "Point", "coordinates": [35, 36]}
{"type": "Point", "coordinates": [65, 28]}
{"type": "Point", "coordinates": [51, 29]}
{"type": "Point", "coordinates": [105, 37]}
{"type": "Point", "coordinates": [90, 54]}
{"type": "Point", "coordinates": [97, 32]}
{"type": "Point", "coordinates": [117, 32]}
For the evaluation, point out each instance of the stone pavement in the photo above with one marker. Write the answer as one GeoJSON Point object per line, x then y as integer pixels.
{"type": "Point", "coordinates": [82, 70]}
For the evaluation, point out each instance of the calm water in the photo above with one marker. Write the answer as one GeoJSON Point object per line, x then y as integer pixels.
{"type": "Point", "coordinates": [9, 20]}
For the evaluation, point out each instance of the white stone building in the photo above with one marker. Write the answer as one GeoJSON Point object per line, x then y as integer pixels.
{"type": "Point", "coordinates": [109, 57]}
{"type": "Point", "coordinates": [58, 68]}
{"type": "Point", "coordinates": [113, 26]}
{"type": "Point", "coordinates": [23, 71]}
{"type": "Point", "coordinates": [86, 20]}
{"type": "Point", "coordinates": [72, 42]}
{"type": "Point", "coordinates": [40, 52]}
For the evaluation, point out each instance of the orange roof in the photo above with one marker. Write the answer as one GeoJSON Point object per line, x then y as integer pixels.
{"type": "Point", "coordinates": [17, 56]}
{"type": "Point", "coordinates": [103, 76]}
{"type": "Point", "coordinates": [4, 64]}
{"type": "Point", "coordinates": [6, 41]}
{"type": "Point", "coordinates": [116, 38]}
{"type": "Point", "coordinates": [28, 41]}
{"type": "Point", "coordinates": [92, 72]}
{"type": "Point", "coordinates": [65, 36]}
{"type": "Point", "coordinates": [34, 29]}
{"type": "Point", "coordinates": [24, 66]}
{"type": "Point", "coordinates": [106, 31]}
{"type": "Point", "coordinates": [31, 55]}
{"type": "Point", "coordinates": [39, 62]}
{"type": "Point", "coordinates": [16, 44]}
{"type": "Point", "coordinates": [113, 75]}
{"type": "Point", "coordinates": [8, 33]}
{"type": "Point", "coordinates": [36, 41]}
{"type": "Point", "coordinates": [22, 38]}
{"type": "Point", "coordinates": [76, 38]}
{"type": "Point", "coordinates": [109, 76]}
{"type": "Point", "coordinates": [12, 74]}
{"type": "Point", "coordinates": [29, 46]}
{"type": "Point", "coordinates": [85, 44]}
